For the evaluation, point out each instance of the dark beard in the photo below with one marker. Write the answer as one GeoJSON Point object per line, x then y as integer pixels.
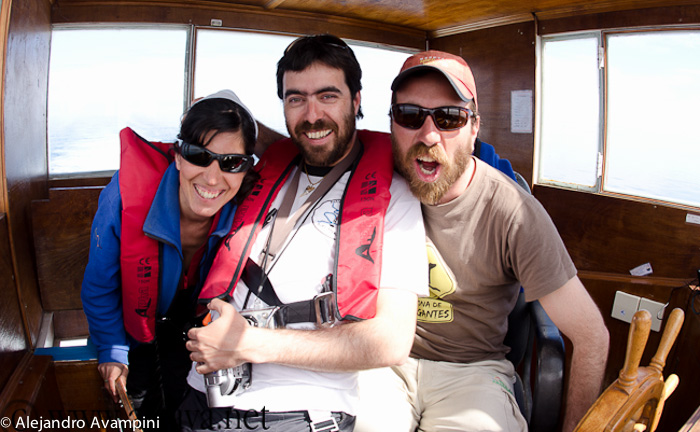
{"type": "Point", "coordinates": [323, 156]}
{"type": "Point", "coordinates": [430, 193]}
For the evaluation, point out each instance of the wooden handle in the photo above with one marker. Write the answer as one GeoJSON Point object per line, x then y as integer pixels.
{"type": "Point", "coordinates": [636, 341]}
{"type": "Point", "coordinates": [126, 402]}
{"type": "Point", "coordinates": [669, 386]}
{"type": "Point", "coordinates": [673, 327]}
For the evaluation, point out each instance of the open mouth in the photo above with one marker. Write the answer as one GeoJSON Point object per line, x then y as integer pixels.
{"type": "Point", "coordinates": [318, 134]}
{"type": "Point", "coordinates": [427, 168]}
{"type": "Point", "coordinates": [207, 194]}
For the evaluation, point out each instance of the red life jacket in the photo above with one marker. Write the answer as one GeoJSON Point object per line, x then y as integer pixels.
{"type": "Point", "coordinates": [142, 165]}
{"type": "Point", "coordinates": [360, 226]}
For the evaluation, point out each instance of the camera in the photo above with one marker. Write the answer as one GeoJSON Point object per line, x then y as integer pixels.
{"type": "Point", "coordinates": [225, 384]}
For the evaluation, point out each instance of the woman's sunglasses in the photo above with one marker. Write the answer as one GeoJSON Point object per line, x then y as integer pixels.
{"type": "Point", "coordinates": [446, 118]}
{"type": "Point", "coordinates": [231, 163]}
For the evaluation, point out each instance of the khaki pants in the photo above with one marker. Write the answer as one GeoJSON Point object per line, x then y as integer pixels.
{"type": "Point", "coordinates": [424, 395]}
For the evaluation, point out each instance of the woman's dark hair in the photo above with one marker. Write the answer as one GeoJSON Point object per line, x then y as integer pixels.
{"type": "Point", "coordinates": [220, 115]}
{"type": "Point", "coordinates": [327, 49]}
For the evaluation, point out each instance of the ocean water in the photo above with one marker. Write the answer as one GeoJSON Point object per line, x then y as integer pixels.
{"type": "Point", "coordinates": [89, 150]}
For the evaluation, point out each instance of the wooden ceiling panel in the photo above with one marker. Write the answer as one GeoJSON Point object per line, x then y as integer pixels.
{"type": "Point", "coordinates": [436, 17]}
{"type": "Point", "coordinates": [442, 17]}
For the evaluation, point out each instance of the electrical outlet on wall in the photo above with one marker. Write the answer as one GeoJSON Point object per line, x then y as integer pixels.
{"type": "Point", "coordinates": [656, 310]}
{"type": "Point", "coordinates": [624, 306]}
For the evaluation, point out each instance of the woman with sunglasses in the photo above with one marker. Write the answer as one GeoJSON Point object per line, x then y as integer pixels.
{"type": "Point", "coordinates": [186, 208]}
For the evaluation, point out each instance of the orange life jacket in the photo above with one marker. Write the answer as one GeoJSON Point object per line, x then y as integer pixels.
{"type": "Point", "coordinates": [359, 233]}
{"type": "Point", "coordinates": [142, 166]}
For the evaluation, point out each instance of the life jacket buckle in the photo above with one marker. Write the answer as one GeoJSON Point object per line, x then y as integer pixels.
{"type": "Point", "coordinates": [329, 425]}
{"type": "Point", "coordinates": [264, 317]}
{"type": "Point", "coordinates": [325, 312]}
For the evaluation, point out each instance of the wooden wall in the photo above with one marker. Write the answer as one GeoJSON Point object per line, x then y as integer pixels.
{"type": "Point", "coordinates": [32, 392]}
{"type": "Point", "coordinates": [617, 235]}
{"type": "Point", "coordinates": [25, 92]}
{"type": "Point", "coordinates": [239, 17]}
{"type": "Point", "coordinates": [606, 236]}
{"type": "Point", "coordinates": [24, 144]}
{"type": "Point", "coordinates": [604, 243]}
{"type": "Point", "coordinates": [502, 60]}
{"type": "Point", "coordinates": [13, 343]}
{"type": "Point", "coordinates": [673, 15]}
{"type": "Point", "coordinates": [25, 71]}
{"type": "Point", "coordinates": [613, 235]}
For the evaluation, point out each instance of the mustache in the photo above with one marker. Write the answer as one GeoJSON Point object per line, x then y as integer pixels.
{"type": "Point", "coordinates": [434, 152]}
{"type": "Point", "coordinates": [317, 125]}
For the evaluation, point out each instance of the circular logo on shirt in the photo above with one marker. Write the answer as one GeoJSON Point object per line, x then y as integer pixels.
{"type": "Point", "coordinates": [325, 217]}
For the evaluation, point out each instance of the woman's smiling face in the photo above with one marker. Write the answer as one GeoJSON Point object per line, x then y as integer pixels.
{"type": "Point", "coordinates": [204, 190]}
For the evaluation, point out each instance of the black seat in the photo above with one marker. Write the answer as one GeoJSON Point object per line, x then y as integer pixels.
{"type": "Point", "coordinates": [535, 340]}
{"type": "Point", "coordinates": [537, 351]}
{"type": "Point", "coordinates": [520, 180]}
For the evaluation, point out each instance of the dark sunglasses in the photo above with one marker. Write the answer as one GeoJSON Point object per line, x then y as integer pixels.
{"type": "Point", "coordinates": [231, 163]}
{"type": "Point", "coordinates": [446, 118]}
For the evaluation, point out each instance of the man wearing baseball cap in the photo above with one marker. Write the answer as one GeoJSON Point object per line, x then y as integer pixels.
{"type": "Point", "coordinates": [486, 238]}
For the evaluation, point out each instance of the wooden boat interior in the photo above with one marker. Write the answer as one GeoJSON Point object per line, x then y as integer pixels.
{"type": "Point", "coordinates": [45, 220]}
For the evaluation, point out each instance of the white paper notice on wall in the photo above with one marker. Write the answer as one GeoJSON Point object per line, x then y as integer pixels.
{"type": "Point", "coordinates": [692, 218]}
{"type": "Point", "coordinates": [642, 270]}
{"type": "Point", "coordinates": [521, 111]}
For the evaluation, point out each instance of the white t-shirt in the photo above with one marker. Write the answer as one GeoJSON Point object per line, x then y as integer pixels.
{"type": "Point", "coordinates": [297, 274]}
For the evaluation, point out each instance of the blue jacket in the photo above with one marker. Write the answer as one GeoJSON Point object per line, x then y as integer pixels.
{"type": "Point", "coordinates": [101, 289]}
{"type": "Point", "coordinates": [488, 154]}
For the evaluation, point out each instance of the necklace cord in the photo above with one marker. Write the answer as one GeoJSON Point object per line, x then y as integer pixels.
{"type": "Point", "coordinates": [309, 178]}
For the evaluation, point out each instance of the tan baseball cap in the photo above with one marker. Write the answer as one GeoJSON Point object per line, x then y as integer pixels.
{"type": "Point", "coordinates": [453, 67]}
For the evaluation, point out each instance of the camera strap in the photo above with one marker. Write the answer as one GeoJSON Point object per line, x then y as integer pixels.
{"type": "Point", "coordinates": [287, 222]}
{"type": "Point", "coordinates": [291, 313]}
{"type": "Point", "coordinates": [255, 275]}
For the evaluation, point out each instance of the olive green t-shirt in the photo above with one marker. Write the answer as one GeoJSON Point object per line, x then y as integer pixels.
{"type": "Point", "coordinates": [482, 246]}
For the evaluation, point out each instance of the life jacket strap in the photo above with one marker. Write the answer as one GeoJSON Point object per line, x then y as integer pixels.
{"type": "Point", "coordinates": [328, 425]}
{"type": "Point", "coordinates": [319, 310]}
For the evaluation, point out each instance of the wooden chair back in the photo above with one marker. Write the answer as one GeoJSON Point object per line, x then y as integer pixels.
{"type": "Point", "coordinates": [635, 400]}
{"type": "Point", "coordinates": [61, 227]}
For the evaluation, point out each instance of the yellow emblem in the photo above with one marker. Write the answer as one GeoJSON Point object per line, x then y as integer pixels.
{"type": "Point", "coordinates": [432, 309]}
{"type": "Point", "coordinates": [440, 278]}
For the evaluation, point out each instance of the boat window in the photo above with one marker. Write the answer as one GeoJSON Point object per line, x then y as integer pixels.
{"type": "Point", "coordinates": [570, 112]}
{"type": "Point", "coordinates": [617, 114]}
{"type": "Point", "coordinates": [247, 64]}
{"type": "Point", "coordinates": [104, 79]}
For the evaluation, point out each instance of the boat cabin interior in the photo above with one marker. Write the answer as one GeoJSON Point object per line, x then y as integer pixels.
{"type": "Point", "coordinates": [629, 243]}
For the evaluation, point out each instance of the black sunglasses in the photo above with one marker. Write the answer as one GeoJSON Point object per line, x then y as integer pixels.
{"type": "Point", "coordinates": [231, 163]}
{"type": "Point", "coordinates": [446, 118]}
